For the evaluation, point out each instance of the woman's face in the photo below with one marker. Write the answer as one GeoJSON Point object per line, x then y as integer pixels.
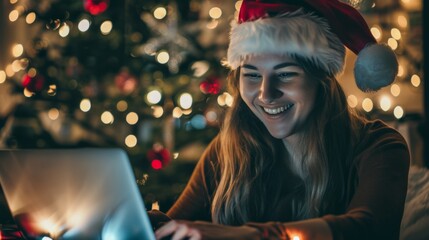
{"type": "Point", "coordinates": [278, 92]}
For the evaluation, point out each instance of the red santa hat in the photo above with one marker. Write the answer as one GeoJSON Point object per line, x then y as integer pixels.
{"type": "Point", "coordinates": [318, 30]}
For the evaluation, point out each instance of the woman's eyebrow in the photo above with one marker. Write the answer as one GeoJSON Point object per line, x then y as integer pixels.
{"type": "Point", "coordinates": [285, 64]}
{"type": "Point", "coordinates": [249, 66]}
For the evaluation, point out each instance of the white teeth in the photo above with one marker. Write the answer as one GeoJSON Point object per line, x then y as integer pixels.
{"type": "Point", "coordinates": [274, 111]}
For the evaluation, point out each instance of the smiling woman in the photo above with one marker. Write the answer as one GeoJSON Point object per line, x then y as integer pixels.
{"type": "Point", "coordinates": [292, 160]}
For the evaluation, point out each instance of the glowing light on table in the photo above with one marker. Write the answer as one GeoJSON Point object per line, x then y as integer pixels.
{"type": "Point", "coordinates": [393, 44]}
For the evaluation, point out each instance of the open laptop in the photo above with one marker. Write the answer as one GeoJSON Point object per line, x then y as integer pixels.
{"type": "Point", "coordinates": [73, 194]}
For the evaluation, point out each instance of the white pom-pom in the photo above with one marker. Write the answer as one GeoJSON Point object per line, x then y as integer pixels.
{"type": "Point", "coordinates": [375, 67]}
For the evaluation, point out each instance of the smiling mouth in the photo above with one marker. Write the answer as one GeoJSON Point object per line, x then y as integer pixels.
{"type": "Point", "coordinates": [275, 111]}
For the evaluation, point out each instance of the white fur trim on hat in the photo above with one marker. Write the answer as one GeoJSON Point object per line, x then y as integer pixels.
{"type": "Point", "coordinates": [293, 34]}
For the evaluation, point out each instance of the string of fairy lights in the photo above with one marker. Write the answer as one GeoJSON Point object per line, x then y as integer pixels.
{"type": "Point", "coordinates": [391, 34]}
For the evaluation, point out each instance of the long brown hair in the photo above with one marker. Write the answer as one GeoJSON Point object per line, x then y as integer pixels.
{"type": "Point", "coordinates": [252, 162]}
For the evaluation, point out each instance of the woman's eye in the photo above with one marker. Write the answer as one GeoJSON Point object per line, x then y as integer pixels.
{"type": "Point", "coordinates": [286, 75]}
{"type": "Point", "coordinates": [252, 76]}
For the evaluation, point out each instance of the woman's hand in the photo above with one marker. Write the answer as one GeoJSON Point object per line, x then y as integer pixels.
{"type": "Point", "coordinates": [178, 229]}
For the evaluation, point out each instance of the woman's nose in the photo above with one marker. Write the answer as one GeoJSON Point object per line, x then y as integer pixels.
{"type": "Point", "coordinates": [269, 90]}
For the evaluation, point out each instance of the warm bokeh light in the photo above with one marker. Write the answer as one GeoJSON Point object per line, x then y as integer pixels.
{"type": "Point", "coordinates": [154, 97]}
{"type": "Point", "coordinates": [52, 91]}
{"type": "Point", "coordinates": [221, 100]}
{"type": "Point", "coordinates": [176, 155]}
{"type": "Point", "coordinates": [122, 106]}
{"type": "Point", "coordinates": [367, 105]}
{"type": "Point", "coordinates": [131, 141]}
{"type": "Point", "coordinates": [238, 5]}
{"type": "Point", "coordinates": [395, 90]}
{"type": "Point", "coordinates": [229, 100]}
{"type": "Point", "coordinates": [64, 30]}
{"type": "Point", "coordinates": [106, 27]}
{"type": "Point", "coordinates": [132, 118]}
{"type": "Point", "coordinates": [13, 15]}
{"type": "Point", "coordinates": [415, 80]}
{"type": "Point", "coordinates": [200, 68]}
{"type": "Point", "coordinates": [53, 113]}
{"type": "Point", "coordinates": [28, 93]}
{"type": "Point", "coordinates": [158, 111]}
{"type": "Point", "coordinates": [107, 117]}
{"type": "Point", "coordinates": [9, 70]}
{"type": "Point", "coordinates": [396, 34]}
{"type": "Point", "coordinates": [212, 24]}
{"type": "Point", "coordinates": [211, 116]}
{"type": "Point", "coordinates": [17, 50]}
{"type": "Point", "coordinates": [393, 44]}
{"type": "Point", "coordinates": [402, 21]}
{"type": "Point", "coordinates": [185, 101]}
{"type": "Point", "coordinates": [85, 105]}
{"type": "Point", "coordinates": [160, 13]}
{"type": "Point", "coordinates": [83, 25]}
{"type": "Point", "coordinates": [352, 101]}
{"type": "Point", "coordinates": [13, 1]}
{"type": "Point", "coordinates": [30, 18]}
{"type": "Point", "coordinates": [296, 238]}
{"type": "Point", "coordinates": [2, 76]}
{"type": "Point", "coordinates": [163, 57]}
{"type": "Point", "coordinates": [376, 32]}
{"type": "Point", "coordinates": [385, 103]}
{"type": "Point", "coordinates": [398, 112]}
{"type": "Point", "coordinates": [401, 71]}
{"type": "Point", "coordinates": [215, 13]}
{"type": "Point", "coordinates": [16, 66]}
{"type": "Point", "coordinates": [177, 112]}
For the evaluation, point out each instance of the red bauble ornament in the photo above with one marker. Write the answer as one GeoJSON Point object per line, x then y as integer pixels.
{"type": "Point", "coordinates": [158, 156]}
{"type": "Point", "coordinates": [126, 82]}
{"type": "Point", "coordinates": [95, 7]}
{"type": "Point", "coordinates": [211, 85]}
{"type": "Point", "coordinates": [33, 83]}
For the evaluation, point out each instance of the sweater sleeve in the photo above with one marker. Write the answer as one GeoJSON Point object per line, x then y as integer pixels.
{"type": "Point", "coordinates": [195, 200]}
{"type": "Point", "coordinates": [376, 209]}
